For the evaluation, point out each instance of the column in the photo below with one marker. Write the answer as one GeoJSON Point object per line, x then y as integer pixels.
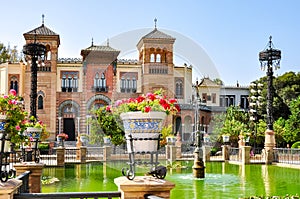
{"type": "Point", "coordinates": [143, 185]}
{"type": "Point", "coordinates": [35, 177]}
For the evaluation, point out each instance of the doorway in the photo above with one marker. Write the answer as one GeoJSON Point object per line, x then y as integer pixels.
{"type": "Point", "coordinates": [69, 128]}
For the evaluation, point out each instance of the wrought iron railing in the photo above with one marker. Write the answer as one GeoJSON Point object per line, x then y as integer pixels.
{"type": "Point", "coordinates": [69, 195]}
{"type": "Point", "coordinates": [24, 188]}
{"type": "Point", "coordinates": [287, 155]}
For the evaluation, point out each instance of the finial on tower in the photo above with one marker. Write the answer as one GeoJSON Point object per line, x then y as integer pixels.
{"type": "Point", "coordinates": [107, 42]}
{"type": "Point", "coordinates": [155, 21]}
{"type": "Point", "coordinates": [270, 42]}
{"type": "Point", "coordinates": [92, 41]}
{"type": "Point", "coordinates": [43, 19]}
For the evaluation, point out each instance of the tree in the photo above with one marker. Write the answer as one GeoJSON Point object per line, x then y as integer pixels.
{"type": "Point", "coordinates": [292, 124]}
{"type": "Point", "coordinates": [4, 54]}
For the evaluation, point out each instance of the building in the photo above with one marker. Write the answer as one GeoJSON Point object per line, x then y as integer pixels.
{"type": "Point", "coordinates": [68, 89]}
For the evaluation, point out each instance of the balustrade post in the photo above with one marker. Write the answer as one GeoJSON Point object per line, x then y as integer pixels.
{"type": "Point", "coordinates": [60, 156]}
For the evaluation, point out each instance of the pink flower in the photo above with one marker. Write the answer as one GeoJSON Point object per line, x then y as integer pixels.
{"type": "Point", "coordinates": [108, 108]}
{"type": "Point", "coordinates": [13, 92]}
{"type": "Point", "coordinates": [5, 96]}
{"type": "Point", "coordinates": [18, 128]}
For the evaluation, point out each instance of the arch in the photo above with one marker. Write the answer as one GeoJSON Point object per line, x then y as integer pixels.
{"type": "Point", "coordinates": [40, 99]}
{"type": "Point", "coordinates": [158, 58]}
{"type": "Point", "coordinates": [188, 127]}
{"type": "Point", "coordinates": [152, 57]}
{"type": "Point", "coordinates": [90, 102]}
{"type": "Point", "coordinates": [69, 103]}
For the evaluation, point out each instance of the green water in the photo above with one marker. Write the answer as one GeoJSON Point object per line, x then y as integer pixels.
{"type": "Point", "coordinates": [221, 180]}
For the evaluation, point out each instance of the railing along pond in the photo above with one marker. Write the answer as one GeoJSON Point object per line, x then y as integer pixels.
{"type": "Point", "coordinates": [69, 195]}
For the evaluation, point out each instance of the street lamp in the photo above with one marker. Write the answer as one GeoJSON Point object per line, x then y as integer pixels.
{"type": "Point", "coordinates": [198, 167]}
{"type": "Point", "coordinates": [255, 102]}
{"type": "Point", "coordinates": [36, 52]}
{"type": "Point", "coordinates": [269, 59]}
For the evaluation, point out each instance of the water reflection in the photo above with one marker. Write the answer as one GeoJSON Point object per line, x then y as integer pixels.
{"type": "Point", "coordinates": [221, 180]}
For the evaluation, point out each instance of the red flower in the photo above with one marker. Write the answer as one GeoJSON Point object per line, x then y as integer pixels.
{"type": "Point", "coordinates": [166, 106]}
{"type": "Point", "coordinates": [162, 101]}
{"type": "Point", "coordinates": [151, 96]}
{"type": "Point", "coordinates": [177, 107]}
{"type": "Point", "coordinates": [172, 101]}
{"type": "Point", "coordinates": [108, 108]}
{"type": "Point", "coordinates": [140, 99]}
{"type": "Point", "coordinates": [147, 109]}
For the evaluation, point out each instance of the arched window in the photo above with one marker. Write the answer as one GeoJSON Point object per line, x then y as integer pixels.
{"type": "Point", "coordinates": [40, 102]}
{"type": "Point", "coordinates": [123, 85]}
{"type": "Point", "coordinates": [158, 58]}
{"type": "Point", "coordinates": [179, 89]}
{"type": "Point", "coordinates": [96, 80]}
{"type": "Point", "coordinates": [14, 84]}
{"type": "Point", "coordinates": [152, 58]}
{"type": "Point", "coordinates": [103, 81]}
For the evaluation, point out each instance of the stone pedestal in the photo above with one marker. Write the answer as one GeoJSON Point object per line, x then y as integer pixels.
{"type": "Point", "coordinates": [35, 176]}
{"type": "Point", "coordinates": [178, 144]}
{"type": "Point", "coordinates": [246, 154]}
{"type": "Point", "coordinates": [225, 152]}
{"type": "Point", "coordinates": [171, 153]}
{"type": "Point", "coordinates": [60, 156]}
{"type": "Point", "coordinates": [143, 185]}
{"type": "Point", "coordinates": [9, 188]}
{"type": "Point", "coordinates": [269, 146]}
{"type": "Point", "coordinates": [107, 153]}
{"type": "Point", "coordinates": [206, 153]}
{"type": "Point", "coordinates": [81, 154]}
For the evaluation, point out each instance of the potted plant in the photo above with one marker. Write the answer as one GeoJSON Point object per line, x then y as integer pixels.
{"type": "Point", "coordinates": [84, 138]}
{"type": "Point", "coordinates": [12, 115]}
{"type": "Point", "coordinates": [143, 118]}
{"type": "Point", "coordinates": [106, 139]}
{"type": "Point", "coordinates": [62, 136]}
{"type": "Point", "coordinates": [35, 129]}
{"type": "Point", "coordinates": [168, 136]}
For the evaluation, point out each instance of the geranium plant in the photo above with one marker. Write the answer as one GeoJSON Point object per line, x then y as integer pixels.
{"type": "Point", "coordinates": [146, 103]}
{"type": "Point", "coordinates": [12, 110]}
{"type": "Point", "coordinates": [63, 136]}
{"type": "Point", "coordinates": [109, 117]}
{"type": "Point", "coordinates": [35, 123]}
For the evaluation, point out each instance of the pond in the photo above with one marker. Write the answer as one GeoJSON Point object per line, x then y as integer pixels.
{"type": "Point", "coordinates": [222, 180]}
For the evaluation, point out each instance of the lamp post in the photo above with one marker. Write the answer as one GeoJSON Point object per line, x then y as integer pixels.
{"type": "Point", "coordinates": [198, 167]}
{"type": "Point", "coordinates": [269, 59]}
{"type": "Point", "coordinates": [255, 99]}
{"type": "Point", "coordinates": [36, 51]}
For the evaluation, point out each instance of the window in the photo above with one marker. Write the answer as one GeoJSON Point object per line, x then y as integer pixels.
{"type": "Point", "coordinates": [128, 82]}
{"type": "Point", "coordinates": [244, 102]}
{"type": "Point", "coordinates": [152, 58]}
{"type": "Point", "coordinates": [158, 58]}
{"type": "Point", "coordinates": [214, 98]}
{"type": "Point", "coordinates": [100, 83]}
{"type": "Point", "coordinates": [179, 89]}
{"type": "Point", "coordinates": [40, 102]}
{"type": "Point", "coordinates": [69, 81]}
{"type": "Point", "coordinates": [14, 84]}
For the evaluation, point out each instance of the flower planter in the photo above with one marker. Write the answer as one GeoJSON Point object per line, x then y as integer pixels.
{"type": "Point", "coordinates": [171, 140]}
{"type": "Point", "coordinates": [33, 132]}
{"type": "Point", "coordinates": [106, 140]}
{"type": "Point", "coordinates": [142, 126]}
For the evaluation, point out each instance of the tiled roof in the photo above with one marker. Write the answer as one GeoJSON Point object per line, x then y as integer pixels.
{"type": "Point", "coordinates": [42, 30]}
{"type": "Point", "coordinates": [101, 48]}
{"type": "Point", "coordinates": [156, 34]}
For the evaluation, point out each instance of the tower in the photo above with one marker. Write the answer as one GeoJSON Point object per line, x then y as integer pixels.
{"type": "Point", "coordinates": [156, 55]}
{"type": "Point", "coordinates": [46, 75]}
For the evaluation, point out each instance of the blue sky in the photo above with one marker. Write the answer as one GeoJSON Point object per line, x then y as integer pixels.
{"type": "Point", "coordinates": [230, 33]}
